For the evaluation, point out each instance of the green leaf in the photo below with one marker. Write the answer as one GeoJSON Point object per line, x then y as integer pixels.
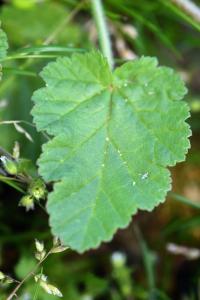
{"type": "Point", "coordinates": [114, 136]}
{"type": "Point", "coordinates": [3, 47]}
{"type": "Point", "coordinates": [25, 265]}
{"type": "Point", "coordinates": [3, 44]}
{"type": "Point", "coordinates": [23, 28]}
{"type": "Point", "coordinates": [47, 49]}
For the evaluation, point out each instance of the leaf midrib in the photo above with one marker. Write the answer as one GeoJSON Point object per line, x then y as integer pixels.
{"type": "Point", "coordinates": [102, 167]}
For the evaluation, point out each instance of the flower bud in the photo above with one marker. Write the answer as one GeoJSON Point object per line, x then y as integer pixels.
{"type": "Point", "coordinates": [57, 246]}
{"type": "Point", "coordinates": [9, 165]}
{"type": "Point", "coordinates": [27, 202]}
{"type": "Point", "coordinates": [59, 249]}
{"type": "Point", "coordinates": [39, 245]}
{"type": "Point", "coordinates": [50, 289]}
{"type": "Point", "coordinates": [16, 151]}
{"type": "Point", "coordinates": [8, 280]}
{"type": "Point", "coordinates": [40, 277]}
{"type": "Point", "coordinates": [38, 189]}
{"type": "Point", "coordinates": [56, 241]}
{"type": "Point", "coordinates": [40, 255]}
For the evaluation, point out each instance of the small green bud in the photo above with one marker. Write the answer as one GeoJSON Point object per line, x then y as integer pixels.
{"type": "Point", "coordinates": [40, 255]}
{"type": "Point", "coordinates": [59, 249]}
{"type": "Point", "coordinates": [50, 289]}
{"type": "Point", "coordinates": [16, 151]}
{"type": "Point", "coordinates": [38, 189]}
{"type": "Point", "coordinates": [57, 246]}
{"type": "Point", "coordinates": [8, 280]}
{"type": "Point", "coordinates": [9, 165]}
{"type": "Point", "coordinates": [39, 245]}
{"type": "Point", "coordinates": [56, 241]}
{"type": "Point", "coordinates": [41, 277]}
{"type": "Point", "coordinates": [27, 202]}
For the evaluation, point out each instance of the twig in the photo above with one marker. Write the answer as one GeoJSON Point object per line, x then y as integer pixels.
{"type": "Point", "coordinates": [31, 273]}
{"type": "Point", "coordinates": [104, 38]}
{"type": "Point", "coordinates": [189, 7]}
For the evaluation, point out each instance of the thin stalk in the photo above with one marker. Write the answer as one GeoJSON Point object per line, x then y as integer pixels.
{"type": "Point", "coordinates": [37, 286]}
{"type": "Point", "coordinates": [59, 29]}
{"type": "Point", "coordinates": [31, 273]}
{"type": "Point", "coordinates": [14, 57]}
{"type": "Point", "coordinates": [19, 72]}
{"type": "Point", "coordinates": [104, 38]}
{"type": "Point", "coordinates": [147, 259]}
{"type": "Point", "coordinates": [184, 200]}
{"type": "Point", "coordinates": [12, 184]}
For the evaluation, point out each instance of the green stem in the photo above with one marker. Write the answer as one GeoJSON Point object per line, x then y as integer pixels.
{"type": "Point", "coordinates": [104, 38]}
{"type": "Point", "coordinates": [37, 286]}
{"type": "Point", "coordinates": [148, 259]}
{"type": "Point", "coordinates": [184, 200]}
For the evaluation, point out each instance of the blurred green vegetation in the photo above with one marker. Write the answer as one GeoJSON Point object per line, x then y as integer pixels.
{"type": "Point", "coordinates": [136, 264]}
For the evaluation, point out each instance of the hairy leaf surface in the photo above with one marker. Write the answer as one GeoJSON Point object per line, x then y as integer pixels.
{"type": "Point", "coordinates": [113, 137]}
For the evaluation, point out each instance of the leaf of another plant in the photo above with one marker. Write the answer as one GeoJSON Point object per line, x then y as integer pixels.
{"type": "Point", "coordinates": [30, 31]}
{"type": "Point", "coordinates": [3, 44]}
{"type": "Point", "coordinates": [114, 136]}
{"type": "Point", "coordinates": [3, 47]}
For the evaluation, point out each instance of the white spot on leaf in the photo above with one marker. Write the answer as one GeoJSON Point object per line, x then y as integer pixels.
{"type": "Point", "coordinates": [145, 176]}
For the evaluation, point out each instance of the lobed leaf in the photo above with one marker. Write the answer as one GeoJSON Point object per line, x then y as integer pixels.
{"type": "Point", "coordinates": [114, 135]}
